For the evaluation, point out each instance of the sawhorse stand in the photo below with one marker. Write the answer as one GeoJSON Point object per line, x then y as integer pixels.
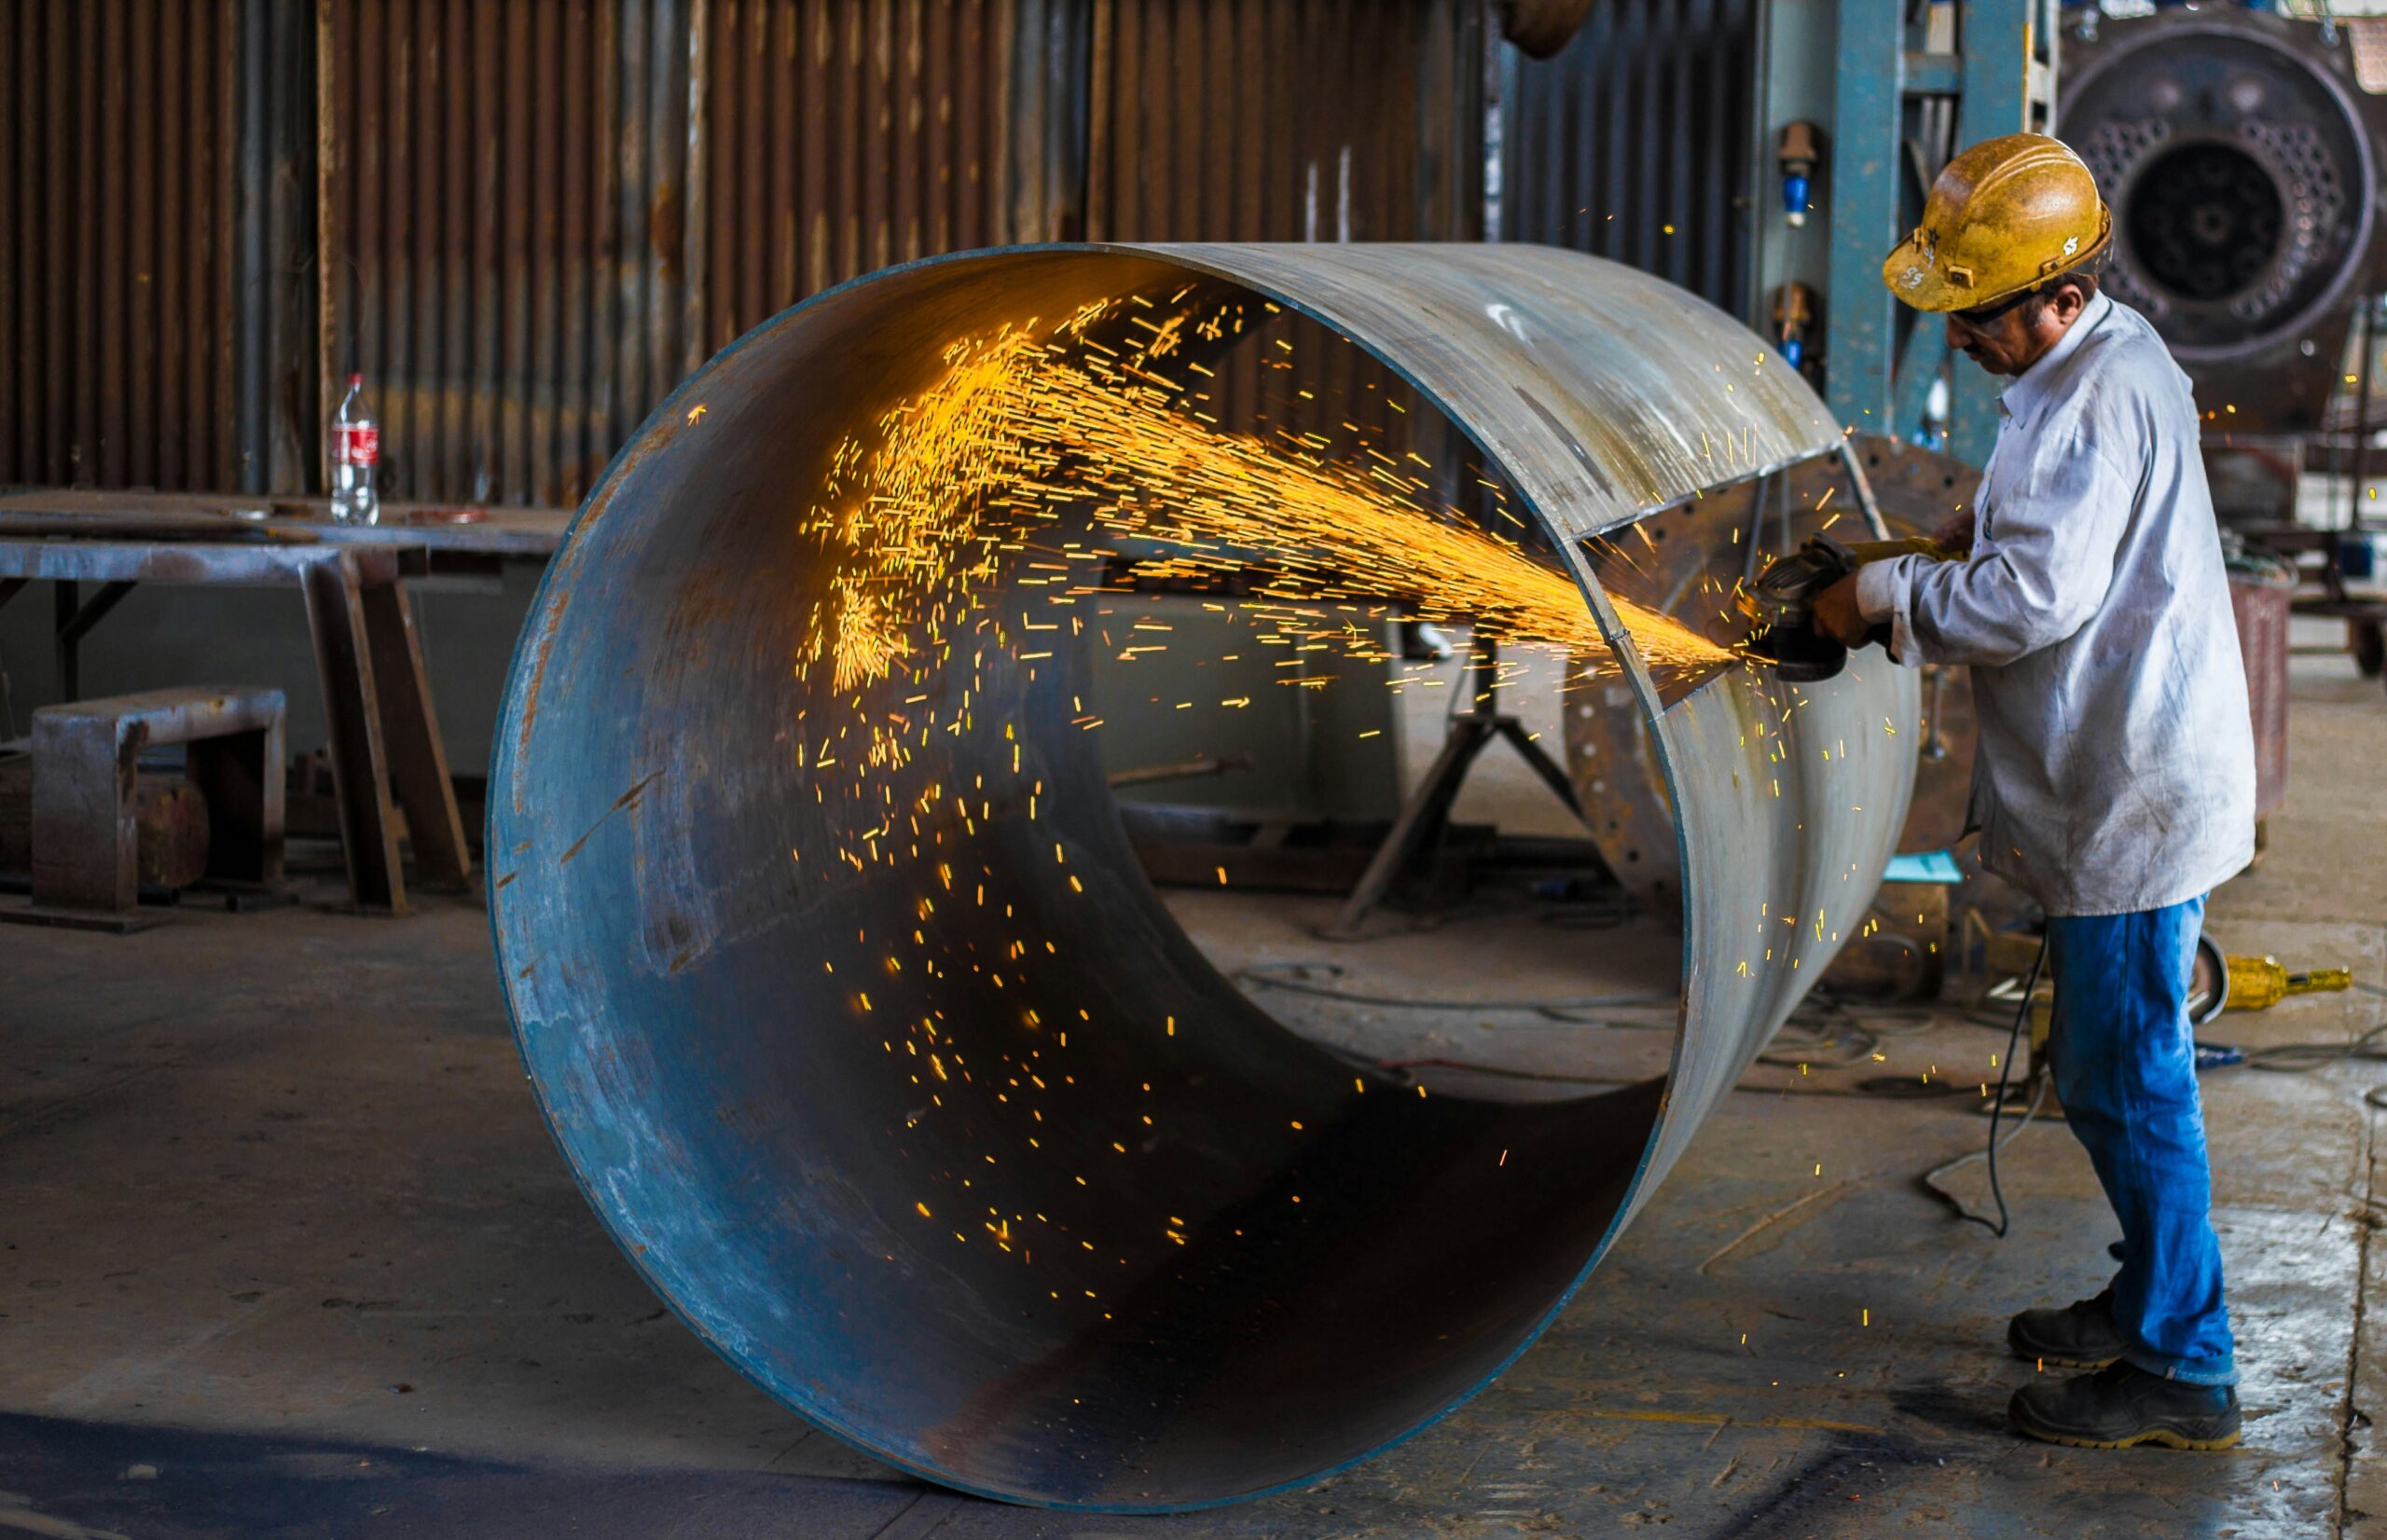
{"type": "Point", "coordinates": [1428, 811]}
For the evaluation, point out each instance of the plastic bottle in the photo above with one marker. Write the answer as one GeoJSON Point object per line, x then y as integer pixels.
{"type": "Point", "coordinates": [356, 452]}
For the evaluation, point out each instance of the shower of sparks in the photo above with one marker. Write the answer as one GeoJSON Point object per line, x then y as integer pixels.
{"type": "Point", "coordinates": [1027, 429]}
{"type": "Point", "coordinates": [982, 533]}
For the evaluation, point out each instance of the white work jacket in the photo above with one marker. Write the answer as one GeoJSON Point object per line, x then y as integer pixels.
{"type": "Point", "coordinates": [2116, 765]}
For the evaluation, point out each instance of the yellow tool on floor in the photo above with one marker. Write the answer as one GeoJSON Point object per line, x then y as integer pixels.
{"type": "Point", "coordinates": [2258, 983]}
{"type": "Point", "coordinates": [2221, 982]}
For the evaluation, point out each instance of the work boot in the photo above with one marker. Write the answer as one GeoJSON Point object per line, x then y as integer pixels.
{"type": "Point", "coordinates": [2081, 1335]}
{"type": "Point", "coordinates": [2121, 1406]}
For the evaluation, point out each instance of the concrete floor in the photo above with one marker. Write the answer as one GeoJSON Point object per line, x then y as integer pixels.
{"type": "Point", "coordinates": [284, 1250]}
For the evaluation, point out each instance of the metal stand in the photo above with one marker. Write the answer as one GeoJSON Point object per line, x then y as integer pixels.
{"type": "Point", "coordinates": [85, 841]}
{"type": "Point", "coordinates": [1428, 812]}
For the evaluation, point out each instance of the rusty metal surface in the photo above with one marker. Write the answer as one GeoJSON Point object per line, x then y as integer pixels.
{"type": "Point", "coordinates": [116, 286]}
{"type": "Point", "coordinates": [85, 832]}
{"type": "Point", "coordinates": [1632, 142]}
{"type": "Point", "coordinates": [839, 138]}
{"type": "Point", "coordinates": [525, 221]}
{"type": "Point", "coordinates": [1276, 121]}
{"type": "Point", "coordinates": [170, 818]}
{"type": "Point", "coordinates": [2262, 610]}
{"type": "Point", "coordinates": [1283, 120]}
{"type": "Point", "coordinates": [544, 213]}
{"type": "Point", "coordinates": [1118, 1241]}
{"type": "Point", "coordinates": [102, 515]}
{"type": "Point", "coordinates": [507, 233]}
{"type": "Point", "coordinates": [240, 566]}
{"type": "Point", "coordinates": [1542, 27]}
{"type": "Point", "coordinates": [385, 743]}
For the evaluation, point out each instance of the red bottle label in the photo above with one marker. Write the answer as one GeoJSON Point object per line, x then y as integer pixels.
{"type": "Point", "coordinates": [356, 443]}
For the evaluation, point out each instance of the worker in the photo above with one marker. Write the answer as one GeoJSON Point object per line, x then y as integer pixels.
{"type": "Point", "coordinates": [2114, 778]}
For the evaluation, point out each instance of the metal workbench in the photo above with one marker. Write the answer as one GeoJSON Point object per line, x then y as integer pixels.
{"type": "Point", "coordinates": [384, 741]}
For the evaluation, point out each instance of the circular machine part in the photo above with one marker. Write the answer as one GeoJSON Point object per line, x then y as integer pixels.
{"type": "Point", "coordinates": [2207, 222]}
{"type": "Point", "coordinates": [891, 1074]}
{"type": "Point", "coordinates": [2238, 156]}
{"type": "Point", "coordinates": [2208, 982]}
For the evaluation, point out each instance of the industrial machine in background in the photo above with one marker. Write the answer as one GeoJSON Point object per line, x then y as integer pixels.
{"type": "Point", "coordinates": [2241, 153]}
{"type": "Point", "coordinates": [2242, 158]}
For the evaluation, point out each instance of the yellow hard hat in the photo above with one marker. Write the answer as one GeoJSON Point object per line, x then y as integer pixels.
{"type": "Point", "coordinates": [2002, 219]}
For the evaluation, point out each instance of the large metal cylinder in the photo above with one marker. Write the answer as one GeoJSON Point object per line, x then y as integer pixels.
{"type": "Point", "coordinates": [903, 1088]}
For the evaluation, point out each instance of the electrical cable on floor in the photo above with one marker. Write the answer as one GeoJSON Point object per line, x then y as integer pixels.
{"type": "Point", "coordinates": [1838, 1033]}
{"type": "Point", "coordinates": [2305, 1057]}
{"type": "Point", "coordinates": [1833, 1032]}
{"type": "Point", "coordinates": [1996, 1108]}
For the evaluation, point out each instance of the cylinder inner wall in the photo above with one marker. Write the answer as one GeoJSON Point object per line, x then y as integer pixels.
{"type": "Point", "coordinates": [932, 1120]}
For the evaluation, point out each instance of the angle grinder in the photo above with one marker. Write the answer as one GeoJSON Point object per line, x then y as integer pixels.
{"type": "Point", "coordinates": [1781, 603]}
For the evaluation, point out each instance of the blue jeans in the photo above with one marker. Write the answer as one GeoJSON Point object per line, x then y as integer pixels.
{"type": "Point", "coordinates": [2125, 1067]}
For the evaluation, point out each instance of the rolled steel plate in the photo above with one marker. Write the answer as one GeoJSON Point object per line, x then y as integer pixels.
{"type": "Point", "coordinates": [1733, 533]}
{"type": "Point", "coordinates": [1127, 1243]}
{"type": "Point", "coordinates": [1909, 941]}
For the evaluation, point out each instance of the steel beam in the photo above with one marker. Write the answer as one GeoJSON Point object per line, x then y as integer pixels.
{"type": "Point", "coordinates": [1886, 145]}
{"type": "Point", "coordinates": [1867, 156]}
{"type": "Point", "coordinates": [2004, 93]}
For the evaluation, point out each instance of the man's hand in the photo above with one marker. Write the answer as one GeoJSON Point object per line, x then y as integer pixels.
{"type": "Point", "coordinates": [1955, 536]}
{"type": "Point", "coordinates": [1836, 616]}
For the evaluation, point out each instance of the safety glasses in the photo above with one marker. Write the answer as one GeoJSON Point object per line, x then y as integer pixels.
{"type": "Point", "coordinates": [1987, 315]}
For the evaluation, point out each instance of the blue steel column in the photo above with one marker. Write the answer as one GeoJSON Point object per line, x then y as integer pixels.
{"type": "Point", "coordinates": [1860, 320]}
{"type": "Point", "coordinates": [1999, 40]}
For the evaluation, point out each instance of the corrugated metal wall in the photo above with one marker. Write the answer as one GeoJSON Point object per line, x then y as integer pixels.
{"type": "Point", "coordinates": [117, 198]}
{"type": "Point", "coordinates": [1291, 120]}
{"type": "Point", "coordinates": [523, 221]}
{"type": "Point", "coordinates": [1284, 120]}
{"type": "Point", "coordinates": [508, 233]}
{"type": "Point", "coordinates": [1633, 142]}
{"type": "Point", "coordinates": [845, 135]}
{"type": "Point", "coordinates": [544, 213]}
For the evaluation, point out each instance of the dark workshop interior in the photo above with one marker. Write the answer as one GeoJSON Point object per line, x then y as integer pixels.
{"type": "Point", "coordinates": [858, 769]}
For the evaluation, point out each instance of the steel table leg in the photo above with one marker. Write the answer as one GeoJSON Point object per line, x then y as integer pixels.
{"type": "Point", "coordinates": [410, 736]}
{"type": "Point", "coordinates": [353, 717]}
